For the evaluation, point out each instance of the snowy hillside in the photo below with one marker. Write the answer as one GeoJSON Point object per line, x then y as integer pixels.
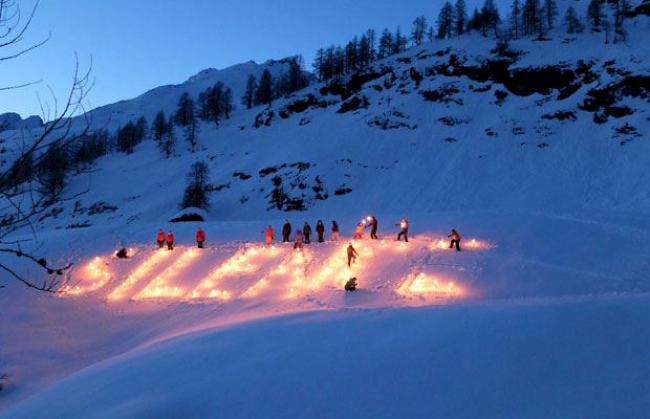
{"type": "Point", "coordinates": [557, 126]}
{"type": "Point", "coordinates": [165, 98]}
{"type": "Point", "coordinates": [536, 151]}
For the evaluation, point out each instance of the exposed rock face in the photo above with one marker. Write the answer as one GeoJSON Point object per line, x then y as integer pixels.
{"type": "Point", "coordinates": [520, 81]}
{"type": "Point", "coordinates": [13, 121]}
{"type": "Point", "coordinates": [604, 101]}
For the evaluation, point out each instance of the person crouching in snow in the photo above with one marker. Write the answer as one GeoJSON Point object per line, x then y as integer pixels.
{"type": "Point", "coordinates": [170, 241]}
{"type": "Point", "coordinates": [200, 238]}
{"type": "Point", "coordinates": [335, 231]}
{"type": "Point", "coordinates": [298, 240]}
{"type": "Point", "coordinates": [455, 239]}
{"type": "Point", "coordinates": [268, 234]}
{"type": "Point", "coordinates": [160, 238]}
{"type": "Point", "coordinates": [358, 232]}
{"type": "Point", "coordinates": [404, 230]}
{"type": "Point", "coordinates": [352, 255]}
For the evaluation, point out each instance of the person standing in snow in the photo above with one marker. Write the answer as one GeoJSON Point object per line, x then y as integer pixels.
{"type": "Point", "coordinates": [404, 230]}
{"type": "Point", "coordinates": [358, 232]}
{"type": "Point", "coordinates": [352, 255]}
{"type": "Point", "coordinates": [373, 227]}
{"type": "Point", "coordinates": [286, 231]}
{"type": "Point", "coordinates": [320, 229]}
{"type": "Point", "coordinates": [160, 238]}
{"type": "Point", "coordinates": [335, 231]}
{"type": "Point", "coordinates": [200, 238]}
{"type": "Point", "coordinates": [298, 240]}
{"type": "Point", "coordinates": [455, 239]}
{"type": "Point", "coordinates": [306, 232]}
{"type": "Point", "coordinates": [268, 233]}
{"type": "Point", "coordinates": [170, 241]}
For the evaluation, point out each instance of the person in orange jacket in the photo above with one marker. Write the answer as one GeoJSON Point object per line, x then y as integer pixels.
{"type": "Point", "coordinates": [358, 232]}
{"type": "Point", "coordinates": [170, 241]}
{"type": "Point", "coordinates": [160, 238]}
{"type": "Point", "coordinates": [268, 233]}
{"type": "Point", "coordinates": [200, 238]}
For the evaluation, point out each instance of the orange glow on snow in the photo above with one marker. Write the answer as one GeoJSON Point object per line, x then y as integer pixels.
{"type": "Point", "coordinates": [161, 286]}
{"type": "Point", "coordinates": [470, 244]}
{"type": "Point", "coordinates": [431, 285]}
{"type": "Point", "coordinates": [241, 263]}
{"type": "Point", "coordinates": [335, 270]}
{"type": "Point", "coordinates": [256, 289]}
{"type": "Point", "coordinates": [297, 270]}
{"type": "Point", "coordinates": [138, 274]}
{"type": "Point", "coordinates": [96, 273]}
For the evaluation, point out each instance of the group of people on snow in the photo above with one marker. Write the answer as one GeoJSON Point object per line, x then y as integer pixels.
{"type": "Point", "coordinates": [168, 239]}
{"type": "Point", "coordinates": [303, 236]}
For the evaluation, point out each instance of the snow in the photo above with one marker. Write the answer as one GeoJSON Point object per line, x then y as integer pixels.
{"type": "Point", "coordinates": [568, 358]}
{"type": "Point", "coordinates": [546, 316]}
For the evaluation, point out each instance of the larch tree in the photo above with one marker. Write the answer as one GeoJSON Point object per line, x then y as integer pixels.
{"type": "Point", "coordinates": [572, 21]}
{"type": "Point", "coordinates": [515, 19]}
{"type": "Point", "coordinates": [446, 21]}
{"type": "Point", "coordinates": [264, 92]}
{"type": "Point", "coordinates": [530, 16]}
{"type": "Point", "coordinates": [248, 100]}
{"type": "Point", "coordinates": [460, 15]}
{"type": "Point", "coordinates": [419, 30]}
{"type": "Point", "coordinates": [595, 15]}
{"type": "Point", "coordinates": [159, 126]}
{"type": "Point", "coordinates": [550, 12]}
{"type": "Point", "coordinates": [196, 192]}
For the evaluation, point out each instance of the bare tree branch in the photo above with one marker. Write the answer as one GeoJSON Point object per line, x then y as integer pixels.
{"type": "Point", "coordinates": [21, 202]}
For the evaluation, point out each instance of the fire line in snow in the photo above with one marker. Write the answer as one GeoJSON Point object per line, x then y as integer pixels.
{"type": "Point", "coordinates": [121, 292]}
{"type": "Point", "coordinates": [96, 272]}
{"type": "Point", "coordinates": [244, 262]}
{"type": "Point", "coordinates": [471, 244]}
{"type": "Point", "coordinates": [161, 286]}
{"type": "Point", "coordinates": [428, 285]}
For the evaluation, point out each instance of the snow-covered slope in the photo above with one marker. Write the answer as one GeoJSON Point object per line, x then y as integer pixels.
{"type": "Point", "coordinates": [165, 98]}
{"type": "Point", "coordinates": [557, 126]}
{"type": "Point", "coordinates": [536, 361]}
{"type": "Point", "coordinates": [538, 151]}
{"type": "Point", "coordinates": [13, 121]}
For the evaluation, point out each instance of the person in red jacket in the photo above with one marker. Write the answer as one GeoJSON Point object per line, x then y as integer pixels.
{"type": "Point", "coordinates": [160, 238]}
{"type": "Point", "coordinates": [170, 241]}
{"type": "Point", "coordinates": [268, 233]}
{"type": "Point", "coordinates": [200, 238]}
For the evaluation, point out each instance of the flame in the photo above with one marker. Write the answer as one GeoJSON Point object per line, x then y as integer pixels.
{"type": "Point", "coordinates": [160, 287]}
{"type": "Point", "coordinates": [244, 262]}
{"type": "Point", "coordinates": [140, 272]}
{"type": "Point", "coordinates": [256, 289]}
{"type": "Point", "coordinates": [429, 285]}
{"type": "Point", "coordinates": [96, 272]}
{"type": "Point", "coordinates": [472, 244]}
{"type": "Point", "coordinates": [299, 261]}
{"type": "Point", "coordinates": [336, 271]}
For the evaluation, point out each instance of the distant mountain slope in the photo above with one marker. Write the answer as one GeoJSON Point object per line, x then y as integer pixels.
{"type": "Point", "coordinates": [165, 98]}
{"type": "Point", "coordinates": [462, 124]}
